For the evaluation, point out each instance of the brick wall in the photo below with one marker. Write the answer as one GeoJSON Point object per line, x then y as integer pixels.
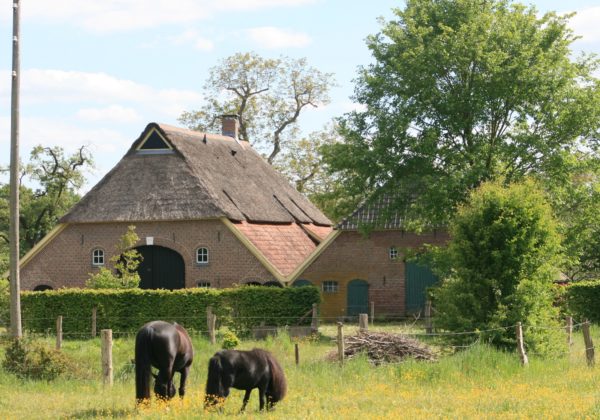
{"type": "Point", "coordinates": [67, 259]}
{"type": "Point", "coordinates": [353, 256]}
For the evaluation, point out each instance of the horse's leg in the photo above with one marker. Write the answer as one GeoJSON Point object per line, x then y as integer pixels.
{"type": "Point", "coordinates": [246, 398]}
{"type": "Point", "coordinates": [184, 374]}
{"type": "Point", "coordinates": [261, 396]}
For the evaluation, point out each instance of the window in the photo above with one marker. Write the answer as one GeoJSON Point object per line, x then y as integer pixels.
{"type": "Point", "coordinates": [330, 286]}
{"type": "Point", "coordinates": [98, 257]}
{"type": "Point", "coordinates": [202, 256]}
{"type": "Point", "coordinates": [393, 253]}
{"type": "Point", "coordinates": [204, 284]}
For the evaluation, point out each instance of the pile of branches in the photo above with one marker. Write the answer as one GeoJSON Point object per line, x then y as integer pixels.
{"type": "Point", "coordinates": [386, 348]}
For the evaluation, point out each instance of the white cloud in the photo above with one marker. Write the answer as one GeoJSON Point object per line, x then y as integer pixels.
{"type": "Point", "coordinates": [271, 37]}
{"type": "Point", "coordinates": [100, 90]}
{"type": "Point", "coordinates": [52, 132]}
{"type": "Point", "coordinates": [585, 24]}
{"type": "Point", "coordinates": [112, 113]}
{"type": "Point", "coordinates": [192, 37]}
{"type": "Point", "coordinates": [119, 15]}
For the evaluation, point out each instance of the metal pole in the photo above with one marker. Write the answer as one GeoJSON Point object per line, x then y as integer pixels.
{"type": "Point", "coordinates": [15, 281]}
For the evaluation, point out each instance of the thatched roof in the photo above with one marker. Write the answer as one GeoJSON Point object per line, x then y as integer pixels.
{"type": "Point", "coordinates": [203, 176]}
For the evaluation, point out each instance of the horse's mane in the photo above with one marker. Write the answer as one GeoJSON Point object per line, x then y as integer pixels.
{"type": "Point", "coordinates": [213, 382]}
{"type": "Point", "coordinates": [143, 369]}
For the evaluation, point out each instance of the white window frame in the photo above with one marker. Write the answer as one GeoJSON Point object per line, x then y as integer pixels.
{"type": "Point", "coordinates": [98, 257]}
{"type": "Point", "coordinates": [330, 286]}
{"type": "Point", "coordinates": [393, 253]}
{"type": "Point", "coordinates": [203, 284]}
{"type": "Point", "coordinates": [202, 255]}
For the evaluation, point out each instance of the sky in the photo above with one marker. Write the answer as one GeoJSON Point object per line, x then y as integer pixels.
{"type": "Point", "coordinates": [96, 72]}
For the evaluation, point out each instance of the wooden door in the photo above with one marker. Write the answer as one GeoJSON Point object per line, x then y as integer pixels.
{"type": "Point", "coordinates": [161, 268]}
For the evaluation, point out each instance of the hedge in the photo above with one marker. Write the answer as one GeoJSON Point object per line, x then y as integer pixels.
{"type": "Point", "coordinates": [125, 310]}
{"type": "Point", "coordinates": [583, 300]}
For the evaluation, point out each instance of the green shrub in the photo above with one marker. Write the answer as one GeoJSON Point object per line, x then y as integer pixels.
{"type": "Point", "coordinates": [31, 360]}
{"type": "Point", "coordinates": [583, 300]}
{"type": "Point", "coordinates": [228, 338]}
{"type": "Point", "coordinates": [503, 257]}
{"type": "Point", "coordinates": [125, 261]}
{"type": "Point", "coordinates": [125, 310]}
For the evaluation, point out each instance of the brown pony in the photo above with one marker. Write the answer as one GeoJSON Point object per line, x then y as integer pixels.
{"type": "Point", "coordinates": [168, 348]}
{"type": "Point", "coordinates": [245, 370]}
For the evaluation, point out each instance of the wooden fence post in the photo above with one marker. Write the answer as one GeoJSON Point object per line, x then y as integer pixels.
{"type": "Point", "coordinates": [59, 332]}
{"type": "Point", "coordinates": [372, 313]}
{"type": "Point", "coordinates": [94, 317]}
{"type": "Point", "coordinates": [569, 329]}
{"type": "Point", "coordinates": [428, 327]}
{"type": "Point", "coordinates": [208, 318]}
{"type": "Point", "coordinates": [213, 329]}
{"type": "Point", "coordinates": [106, 351]}
{"type": "Point", "coordinates": [589, 344]}
{"type": "Point", "coordinates": [520, 346]}
{"type": "Point", "coordinates": [314, 324]}
{"type": "Point", "coordinates": [340, 342]}
{"type": "Point", "coordinates": [363, 322]}
{"type": "Point", "coordinates": [211, 322]}
{"type": "Point", "coordinates": [297, 354]}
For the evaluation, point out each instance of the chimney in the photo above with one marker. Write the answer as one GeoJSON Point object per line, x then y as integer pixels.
{"type": "Point", "coordinates": [230, 125]}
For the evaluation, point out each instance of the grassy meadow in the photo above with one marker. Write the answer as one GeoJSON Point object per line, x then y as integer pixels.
{"type": "Point", "coordinates": [478, 382]}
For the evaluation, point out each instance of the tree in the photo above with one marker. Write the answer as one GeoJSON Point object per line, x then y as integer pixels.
{"type": "Point", "coordinates": [575, 195]}
{"type": "Point", "coordinates": [464, 91]}
{"type": "Point", "coordinates": [503, 255]}
{"type": "Point", "coordinates": [301, 162]}
{"type": "Point", "coordinates": [57, 179]}
{"type": "Point", "coordinates": [125, 261]}
{"type": "Point", "coordinates": [268, 95]}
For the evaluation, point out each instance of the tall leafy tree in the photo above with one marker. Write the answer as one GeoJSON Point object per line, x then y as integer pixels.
{"type": "Point", "coordinates": [464, 91]}
{"type": "Point", "coordinates": [269, 96]}
{"type": "Point", "coordinates": [56, 179]}
{"type": "Point", "coordinates": [575, 195]}
{"type": "Point", "coordinates": [302, 163]}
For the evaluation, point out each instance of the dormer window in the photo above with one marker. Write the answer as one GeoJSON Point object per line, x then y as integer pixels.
{"type": "Point", "coordinates": [154, 143]}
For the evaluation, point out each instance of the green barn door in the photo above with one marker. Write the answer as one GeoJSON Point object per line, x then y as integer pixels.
{"type": "Point", "coordinates": [418, 279]}
{"type": "Point", "coordinates": [358, 298]}
{"type": "Point", "coordinates": [161, 268]}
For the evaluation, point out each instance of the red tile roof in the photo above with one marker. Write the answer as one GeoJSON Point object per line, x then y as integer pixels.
{"type": "Point", "coordinates": [284, 245]}
{"type": "Point", "coordinates": [320, 232]}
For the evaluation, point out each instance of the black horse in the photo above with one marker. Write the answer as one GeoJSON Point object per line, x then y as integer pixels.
{"type": "Point", "coordinates": [168, 348]}
{"type": "Point", "coordinates": [245, 370]}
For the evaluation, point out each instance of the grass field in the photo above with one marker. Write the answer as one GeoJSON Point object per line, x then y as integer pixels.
{"type": "Point", "coordinates": [476, 383]}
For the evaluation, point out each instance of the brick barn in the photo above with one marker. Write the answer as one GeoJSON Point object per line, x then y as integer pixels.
{"type": "Point", "coordinates": [354, 270]}
{"type": "Point", "coordinates": [209, 211]}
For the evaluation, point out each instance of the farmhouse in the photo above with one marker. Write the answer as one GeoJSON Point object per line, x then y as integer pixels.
{"type": "Point", "coordinates": [356, 270]}
{"type": "Point", "coordinates": [209, 211]}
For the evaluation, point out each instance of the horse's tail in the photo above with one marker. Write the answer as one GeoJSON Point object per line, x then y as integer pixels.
{"type": "Point", "coordinates": [143, 369]}
{"type": "Point", "coordinates": [278, 384]}
{"type": "Point", "coordinates": [214, 387]}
